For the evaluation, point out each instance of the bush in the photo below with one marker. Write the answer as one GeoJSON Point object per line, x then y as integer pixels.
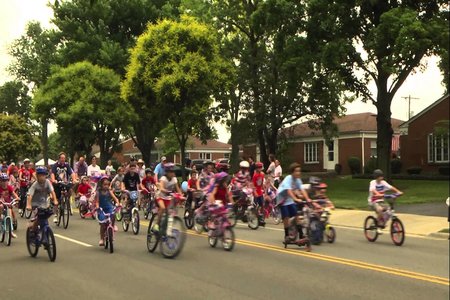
{"type": "Point", "coordinates": [396, 166]}
{"type": "Point", "coordinates": [370, 166]}
{"type": "Point", "coordinates": [338, 169]}
{"type": "Point", "coordinates": [354, 163]}
{"type": "Point", "coordinates": [444, 170]}
{"type": "Point", "coordinates": [414, 170]}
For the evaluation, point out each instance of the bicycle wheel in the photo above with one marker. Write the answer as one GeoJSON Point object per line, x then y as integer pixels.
{"type": "Point", "coordinates": [110, 235]}
{"type": "Point", "coordinates": [8, 231]}
{"type": "Point", "coordinates": [212, 241]}
{"type": "Point", "coordinates": [51, 245]}
{"type": "Point", "coordinates": [316, 232]}
{"type": "Point", "coordinates": [152, 238]}
{"type": "Point", "coordinates": [135, 221]}
{"type": "Point", "coordinates": [228, 239]}
{"type": "Point", "coordinates": [66, 212]}
{"type": "Point", "coordinates": [31, 243]}
{"type": "Point", "coordinates": [189, 218]}
{"type": "Point", "coordinates": [397, 232]}
{"type": "Point", "coordinates": [119, 215]}
{"type": "Point", "coordinates": [172, 246]}
{"type": "Point", "coordinates": [330, 233]}
{"type": "Point", "coordinates": [125, 225]}
{"type": "Point", "coordinates": [232, 217]}
{"type": "Point", "coordinates": [276, 215]}
{"type": "Point", "coordinates": [60, 214]}
{"type": "Point", "coordinates": [371, 229]}
{"type": "Point", "coordinates": [2, 232]}
{"type": "Point", "coordinates": [252, 219]}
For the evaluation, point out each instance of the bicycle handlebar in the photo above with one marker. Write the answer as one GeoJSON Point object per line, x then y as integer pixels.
{"type": "Point", "coordinates": [9, 204]}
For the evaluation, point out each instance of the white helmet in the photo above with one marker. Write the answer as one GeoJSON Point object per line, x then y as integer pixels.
{"type": "Point", "coordinates": [244, 164]}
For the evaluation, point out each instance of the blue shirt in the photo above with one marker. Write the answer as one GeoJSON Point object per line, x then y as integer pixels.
{"type": "Point", "coordinates": [289, 183]}
{"type": "Point", "coordinates": [105, 202]}
{"type": "Point", "coordinates": [159, 170]}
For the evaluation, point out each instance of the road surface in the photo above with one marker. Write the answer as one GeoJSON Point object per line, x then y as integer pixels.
{"type": "Point", "coordinates": [258, 268]}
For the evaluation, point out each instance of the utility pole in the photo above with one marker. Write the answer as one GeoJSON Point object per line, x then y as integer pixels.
{"type": "Point", "coordinates": [409, 104]}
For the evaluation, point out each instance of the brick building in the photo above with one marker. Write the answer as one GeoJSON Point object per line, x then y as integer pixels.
{"type": "Point", "coordinates": [212, 150]}
{"type": "Point", "coordinates": [357, 136]}
{"type": "Point", "coordinates": [422, 146]}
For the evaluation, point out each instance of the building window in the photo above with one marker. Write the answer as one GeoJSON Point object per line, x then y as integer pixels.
{"type": "Point", "coordinates": [205, 155]}
{"type": "Point", "coordinates": [438, 148]}
{"type": "Point", "coordinates": [311, 152]}
{"type": "Point", "coordinates": [187, 155]}
{"type": "Point", "coordinates": [331, 151]}
{"type": "Point", "coordinates": [373, 148]}
{"type": "Point", "coordinates": [226, 155]}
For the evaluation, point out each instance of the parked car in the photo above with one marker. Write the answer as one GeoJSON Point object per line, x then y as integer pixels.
{"type": "Point", "coordinates": [177, 170]}
{"type": "Point", "coordinates": [222, 161]}
{"type": "Point", "coordinates": [198, 163]}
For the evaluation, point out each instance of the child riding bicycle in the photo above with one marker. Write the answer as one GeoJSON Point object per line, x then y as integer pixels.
{"type": "Point", "coordinates": [377, 188]}
{"type": "Point", "coordinates": [7, 193]}
{"type": "Point", "coordinates": [104, 198]}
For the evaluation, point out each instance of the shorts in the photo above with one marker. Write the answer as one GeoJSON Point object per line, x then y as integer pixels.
{"type": "Point", "coordinates": [288, 211]}
{"type": "Point", "coordinates": [166, 202]}
{"type": "Point", "coordinates": [376, 205]}
{"type": "Point", "coordinates": [259, 200]}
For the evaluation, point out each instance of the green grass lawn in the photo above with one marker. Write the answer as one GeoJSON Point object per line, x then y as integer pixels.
{"type": "Point", "coordinates": [352, 193]}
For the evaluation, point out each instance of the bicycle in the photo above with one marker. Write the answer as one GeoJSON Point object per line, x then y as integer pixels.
{"type": "Point", "coordinates": [86, 206]}
{"type": "Point", "coordinates": [148, 204]}
{"type": "Point", "coordinates": [397, 230]}
{"type": "Point", "coordinates": [64, 204]}
{"type": "Point", "coordinates": [42, 236]}
{"type": "Point", "coordinates": [172, 233]}
{"type": "Point", "coordinates": [109, 231]}
{"type": "Point", "coordinates": [302, 221]}
{"type": "Point", "coordinates": [6, 226]}
{"type": "Point", "coordinates": [22, 202]}
{"type": "Point", "coordinates": [118, 214]}
{"type": "Point", "coordinates": [272, 211]}
{"type": "Point", "coordinates": [244, 210]}
{"type": "Point", "coordinates": [189, 211]}
{"type": "Point", "coordinates": [130, 214]}
{"type": "Point", "coordinates": [223, 229]}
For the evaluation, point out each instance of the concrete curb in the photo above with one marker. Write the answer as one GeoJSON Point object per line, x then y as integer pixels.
{"type": "Point", "coordinates": [440, 235]}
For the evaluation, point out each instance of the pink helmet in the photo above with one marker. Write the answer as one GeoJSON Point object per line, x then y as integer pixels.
{"type": "Point", "coordinates": [220, 176]}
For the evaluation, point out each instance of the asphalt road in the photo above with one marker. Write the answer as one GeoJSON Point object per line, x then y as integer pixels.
{"type": "Point", "coordinates": [258, 268]}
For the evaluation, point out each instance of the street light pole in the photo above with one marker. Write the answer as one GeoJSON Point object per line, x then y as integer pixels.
{"type": "Point", "coordinates": [409, 104]}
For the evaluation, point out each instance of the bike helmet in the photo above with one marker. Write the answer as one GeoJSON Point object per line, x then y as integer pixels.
{"type": "Point", "coordinates": [148, 170]}
{"type": "Point", "coordinates": [259, 165]}
{"type": "Point", "coordinates": [169, 167]}
{"type": "Point", "coordinates": [4, 177]}
{"type": "Point", "coordinates": [220, 176]}
{"type": "Point", "coordinates": [222, 167]}
{"type": "Point", "coordinates": [244, 164]}
{"type": "Point", "coordinates": [322, 186]}
{"type": "Point", "coordinates": [314, 180]}
{"type": "Point", "coordinates": [41, 170]}
{"type": "Point", "coordinates": [26, 160]}
{"type": "Point", "coordinates": [377, 173]}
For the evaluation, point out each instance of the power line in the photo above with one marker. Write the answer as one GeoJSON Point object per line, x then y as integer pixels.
{"type": "Point", "coordinates": [409, 104]}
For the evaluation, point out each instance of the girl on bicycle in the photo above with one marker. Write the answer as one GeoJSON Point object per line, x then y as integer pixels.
{"type": "Point", "coordinates": [219, 194]}
{"type": "Point", "coordinates": [104, 198]}
{"type": "Point", "coordinates": [7, 193]}
{"type": "Point", "coordinates": [168, 184]}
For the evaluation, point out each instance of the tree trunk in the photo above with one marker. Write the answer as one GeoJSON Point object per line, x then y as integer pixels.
{"type": "Point", "coordinates": [44, 140]}
{"type": "Point", "coordinates": [262, 148]}
{"type": "Point", "coordinates": [182, 155]}
{"type": "Point", "coordinates": [272, 141]}
{"type": "Point", "coordinates": [234, 158]}
{"type": "Point", "coordinates": [384, 133]}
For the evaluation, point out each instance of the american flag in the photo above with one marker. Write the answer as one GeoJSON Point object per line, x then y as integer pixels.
{"type": "Point", "coordinates": [395, 143]}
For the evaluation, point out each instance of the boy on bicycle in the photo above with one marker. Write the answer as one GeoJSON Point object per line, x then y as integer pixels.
{"type": "Point", "coordinates": [377, 188]}
{"type": "Point", "coordinates": [38, 193]}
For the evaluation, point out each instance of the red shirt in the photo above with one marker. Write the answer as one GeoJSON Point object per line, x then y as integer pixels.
{"type": "Point", "coordinates": [6, 193]}
{"type": "Point", "coordinates": [84, 188]}
{"type": "Point", "coordinates": [221, 194]}
{"type": "Point", "coordinates": [192, 183]}
{"type": "Point", "coordinates": [258, 181]}
{"type": "Point", "coordinates": [148, 182]}
{"type": "Point", "coordinates": [27, 174]}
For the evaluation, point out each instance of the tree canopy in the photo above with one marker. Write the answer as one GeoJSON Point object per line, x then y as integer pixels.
{"type": "Point", "coordinates": [14, 99]}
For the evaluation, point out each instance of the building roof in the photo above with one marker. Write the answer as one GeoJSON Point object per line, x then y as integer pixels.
{"type": "Point", "coordinates": [354, 123]}
{"type": "Point", "coordinates": [427, 109]}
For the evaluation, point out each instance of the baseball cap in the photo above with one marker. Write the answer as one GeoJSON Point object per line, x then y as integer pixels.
{"type": "Point", "coordinates": [163, 158]}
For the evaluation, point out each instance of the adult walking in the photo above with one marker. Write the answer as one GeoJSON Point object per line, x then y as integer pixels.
{"type": "Point", "coordinates": [159, 169]}
{"type": "Point", "coordinates": [278, 173]}
{"type": "Point", "coordinates": [93, 169]}
{"type": "Point", "coordinates": [252, 167]}
{"type": "Point", "coordinates": [80, 168]}
{"type": "Point", "coordinates": [271, 169]}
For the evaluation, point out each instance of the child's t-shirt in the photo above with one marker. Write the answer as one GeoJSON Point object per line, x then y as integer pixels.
{"type": "Point", "coordinates": [39, 193]}
{"type": "Point", "coordinates": [84, 188]}
{"type": "Point", "coordinates": [192, 183]}
{"type": "Point", "coordinates": [258, 181]}
{"type": "Point", "coordinates": [148, 182]}
{"type": "Point", "coordinates": [380, 187]}
{"type": "Point", "coordinates": [6, 193]}
{"type": "Point", "coordinates": [169, 185]}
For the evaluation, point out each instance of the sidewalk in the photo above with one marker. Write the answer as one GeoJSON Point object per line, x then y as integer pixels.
{"type": "Point", "coordinates": [414, 224]}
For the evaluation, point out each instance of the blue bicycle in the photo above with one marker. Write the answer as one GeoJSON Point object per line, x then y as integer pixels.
{"type": "Point", "coordinates": [43, 236]}
{"type": "Point", "coordinates": [6, 227]}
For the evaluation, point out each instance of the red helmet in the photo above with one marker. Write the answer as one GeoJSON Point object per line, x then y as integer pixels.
{"type": "Point", "coordinates": [259, 165]}
{"type": "Point", "coordinates": [222, 166]}
{"type": "Point", "coordinates": [322, 186]}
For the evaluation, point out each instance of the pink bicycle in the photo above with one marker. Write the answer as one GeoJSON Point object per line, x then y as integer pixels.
{"type": "Point", "coordinates": [223, 229]}
{"type": "Point", "coordinates": [86, 206]}
{"type": "Point", "coordinates": [105, 220]}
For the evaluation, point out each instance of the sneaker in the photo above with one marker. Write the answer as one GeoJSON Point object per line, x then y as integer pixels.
{"type": "Point", "coordinates": [20, 211]}
{"type": "Point", "coordinates": [55, 219]}
{"type": "Point", "coordinates": [14, 235]}
{"type": "Point", "coordinates": [116, 228]}
{"type": "Point", "coordinates": [101, 243]}
{"type": "Point", "coordinates": [155, 228]}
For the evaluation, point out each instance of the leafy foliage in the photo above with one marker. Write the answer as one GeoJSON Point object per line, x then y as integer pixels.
{"type": "Point", "coordinates": [14, 99]}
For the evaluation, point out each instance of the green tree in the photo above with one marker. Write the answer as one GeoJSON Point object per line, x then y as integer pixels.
{"type": "Point", "coordinates": [34, 54]}
{"type": "Point", "coordinates": [56, 144]}
{"type": "Point", "coordinates": [377, 41]}
{"type": "Point", "coordinates": [84, 100]}
{"type": "Point", "coordinates": [14, 99]}
{"type": "Point", "coordinates": [18, 138]}
{"type": "Point", "coordinates": [179, 64]}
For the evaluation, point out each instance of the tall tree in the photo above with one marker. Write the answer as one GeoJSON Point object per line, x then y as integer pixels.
{"type": "Point", "coordinates": [85, 102]}
{"type": "Point", "coordinates": [377, 41]}
{"type": "Point", "coordinates": [34, 54]}
{"type": "Point", "coordinates": [14, 99]}
{"type": "Point", "coordinates": [18, 138]}
{"type": "Point", "coordinates": [180, 65]}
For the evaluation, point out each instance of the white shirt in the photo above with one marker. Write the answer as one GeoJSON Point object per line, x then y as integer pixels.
{"type": "Point", "coordinates": [380, 187]}
{"type": "Point", "coordinates": [278, 172]}
{"type": "Point", "coordinates": [271, 169]}
{"type": "Point", "coordinates": [93, 171]}
{"type": "Point", "coordinates": [108, 170]}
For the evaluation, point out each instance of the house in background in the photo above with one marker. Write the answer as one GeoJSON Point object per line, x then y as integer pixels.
{"type": "Point", "coordinates": [422, 146]}
{"type": "Point", "coordinates": [212, 150]}
{"type": "Point", "coordinates": [357, 136]}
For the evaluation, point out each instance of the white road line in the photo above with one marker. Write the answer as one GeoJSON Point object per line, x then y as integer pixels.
{"type": "Point", "coordinates": [72, 240]}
